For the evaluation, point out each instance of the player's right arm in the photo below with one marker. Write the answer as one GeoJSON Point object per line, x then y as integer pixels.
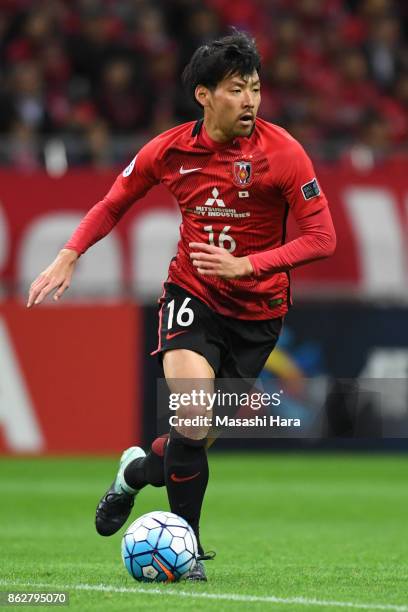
{"type": "Point", "coordinates": [57, 276]}
{"type": "Point", "coordinates": [141, 174]}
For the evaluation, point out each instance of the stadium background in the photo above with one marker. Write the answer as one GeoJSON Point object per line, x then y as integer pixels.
{"type": "Point", "coordinates": [83, 84]}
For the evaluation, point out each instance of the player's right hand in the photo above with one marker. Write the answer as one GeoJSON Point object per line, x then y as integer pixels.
{"type": "Point", "coordinates": [56, 277]}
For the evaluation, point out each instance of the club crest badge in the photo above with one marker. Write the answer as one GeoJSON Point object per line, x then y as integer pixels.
{"type": "Point", "coordinates": [242, 173]}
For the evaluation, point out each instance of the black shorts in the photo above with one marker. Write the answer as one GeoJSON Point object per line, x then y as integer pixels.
{"type": "Point", "coordinates": [235, 348]}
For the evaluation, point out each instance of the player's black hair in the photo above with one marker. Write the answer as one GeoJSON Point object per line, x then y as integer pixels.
{"type": "Point", "coordinates": [211, 63]}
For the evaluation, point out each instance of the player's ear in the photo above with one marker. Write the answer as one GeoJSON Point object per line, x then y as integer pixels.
{"type": "Point", "coordinates": [201, 95]}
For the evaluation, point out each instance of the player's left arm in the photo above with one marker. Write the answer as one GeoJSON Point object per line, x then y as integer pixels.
{"type": "Point", "coordinates": [308, 204]}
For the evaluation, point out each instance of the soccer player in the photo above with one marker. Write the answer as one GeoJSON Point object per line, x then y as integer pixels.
{"type": "Point", "coordinates": [235, 177]}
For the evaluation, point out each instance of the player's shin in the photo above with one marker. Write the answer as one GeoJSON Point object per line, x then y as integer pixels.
{"type": "Point", "coordinates": [186, 474]}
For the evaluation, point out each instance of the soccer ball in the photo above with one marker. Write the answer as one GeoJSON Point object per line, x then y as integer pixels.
{"type": "Point", "coordinates": [159, 547]}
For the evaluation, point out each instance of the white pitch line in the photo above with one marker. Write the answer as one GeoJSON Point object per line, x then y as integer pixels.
{"type": "Point", "coordinates": [303, 601]}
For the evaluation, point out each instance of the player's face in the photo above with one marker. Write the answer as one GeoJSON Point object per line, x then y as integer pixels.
{"type": "Point", "coordinates": [230, 109]}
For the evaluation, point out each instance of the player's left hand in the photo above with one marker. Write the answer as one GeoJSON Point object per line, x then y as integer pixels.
{"type": "Point", "coordinates": [215, 261]}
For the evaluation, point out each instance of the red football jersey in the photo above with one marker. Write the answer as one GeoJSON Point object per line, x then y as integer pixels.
{"type": "Point", "coordinates": [235, 195]}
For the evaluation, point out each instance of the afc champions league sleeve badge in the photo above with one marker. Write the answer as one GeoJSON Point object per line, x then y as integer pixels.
{"type": "Point", "coordinates": [242, 173]}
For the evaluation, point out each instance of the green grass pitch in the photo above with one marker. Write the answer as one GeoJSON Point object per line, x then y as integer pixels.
{"type": "Point", "coordinates": [328, 529]}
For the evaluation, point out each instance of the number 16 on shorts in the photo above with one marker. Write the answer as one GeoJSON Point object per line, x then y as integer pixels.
{"type": "Point", "coordinates": [180, 319]}
{"type": "Point", "coordinates": [182, 315]}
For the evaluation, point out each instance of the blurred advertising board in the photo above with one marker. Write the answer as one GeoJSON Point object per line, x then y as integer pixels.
{"type": "Point", "coordinates": [68, 378]}
{"type": "Point", "coordinates": [38, 213]}
{"type": "Point", "coordinates": [340, 369]}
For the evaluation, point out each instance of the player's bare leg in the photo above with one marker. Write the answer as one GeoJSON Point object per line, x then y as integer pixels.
{"type": "Point", "coordinates": [150, 469]}
{"type": "Point", "coordinates": [185, 459]}
{"type": "Point", "coordinates": [178, 461]}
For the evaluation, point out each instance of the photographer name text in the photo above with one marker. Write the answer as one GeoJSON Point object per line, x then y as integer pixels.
{"type": "Point", "coordinates": [226, 421]}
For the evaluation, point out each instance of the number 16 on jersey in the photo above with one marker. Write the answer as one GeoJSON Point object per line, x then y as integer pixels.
{"type": "Point", "coordinates": [225, 241]}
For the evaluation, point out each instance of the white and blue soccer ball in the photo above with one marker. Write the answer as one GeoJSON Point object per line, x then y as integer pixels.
{"type": "Point", "coordinates": [159, 547]}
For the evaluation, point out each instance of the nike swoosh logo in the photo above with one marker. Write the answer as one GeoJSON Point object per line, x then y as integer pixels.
{"type": "Point", "coordinates": [188, 170]}
{"type": "Point", "coordinates": [170, 576]}
{"type": "Point", "coordinates": [170, 336]}
{"type": "Point", "coordinates": [175, 478]}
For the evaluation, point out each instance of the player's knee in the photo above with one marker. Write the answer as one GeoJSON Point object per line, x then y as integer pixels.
{"type": "Point", "coordinates": [194, 412]}
{"type": "Point", "coordinates": [196, 431]}
{"type": "Point", "coordinates": [193, 421]}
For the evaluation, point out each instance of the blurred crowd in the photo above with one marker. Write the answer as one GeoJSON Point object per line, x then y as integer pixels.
{"type": "Point", "coordinates": [94, 79]}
